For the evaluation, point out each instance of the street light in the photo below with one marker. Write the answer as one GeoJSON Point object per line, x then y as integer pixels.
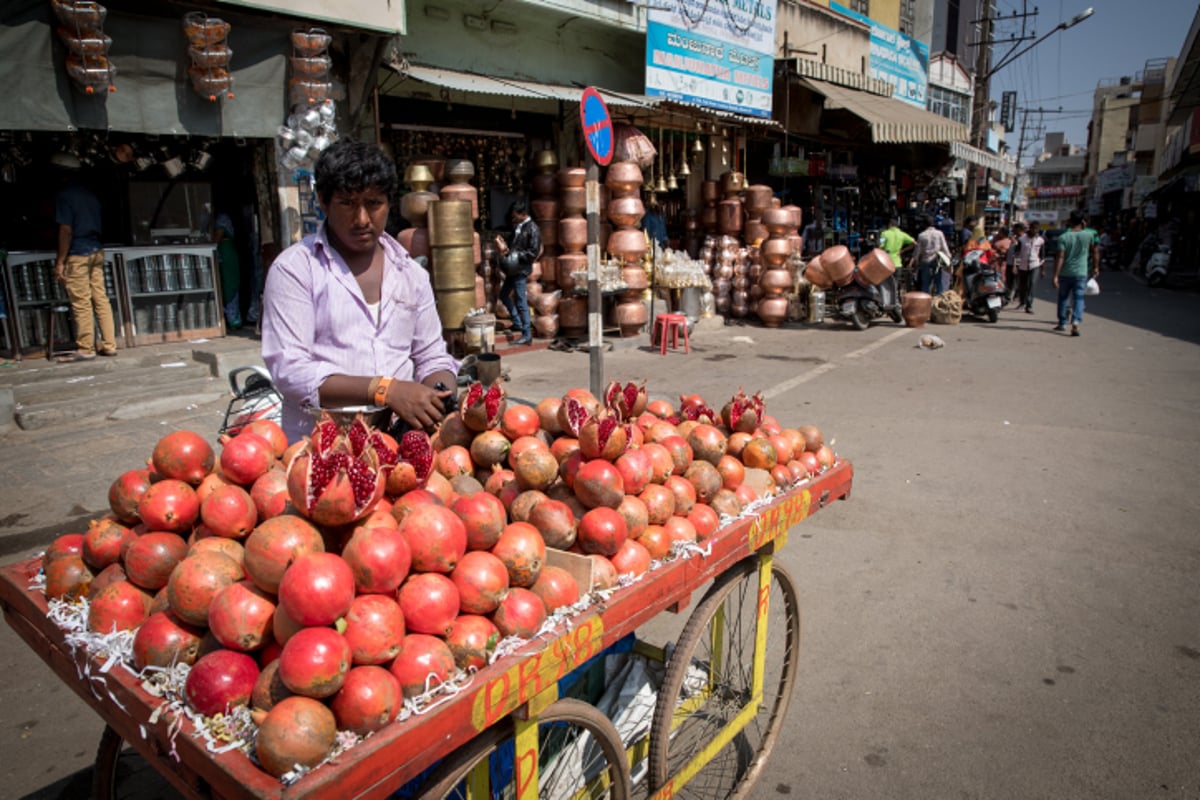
{"type": "Point", "coordinates": [1062, 26]}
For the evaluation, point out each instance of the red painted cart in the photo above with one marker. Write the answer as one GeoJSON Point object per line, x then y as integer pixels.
{"type": "Point", "coordinates": [729, 688]}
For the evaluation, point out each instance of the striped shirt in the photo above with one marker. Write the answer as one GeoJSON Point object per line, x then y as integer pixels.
{"type": "Point", "coordinates": [316, 323]}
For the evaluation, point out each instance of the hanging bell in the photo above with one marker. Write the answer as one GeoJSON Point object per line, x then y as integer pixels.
{"type": "Point", "coordinates": [684, 169]}
{"type": "Point", "coordinates": [697, 146]}
{"type": "Point", "coordinates": [661, 186]}
{"type": "Point", "coordinates": [672, 184]}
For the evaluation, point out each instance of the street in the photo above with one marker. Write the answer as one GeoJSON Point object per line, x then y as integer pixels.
{"type": "Point", "coordinates": [1007, 606]}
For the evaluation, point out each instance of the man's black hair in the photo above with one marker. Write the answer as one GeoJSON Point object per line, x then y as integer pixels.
{"type": "Point", "coordinates": [926, 221]}
{"type": "Point", "coordinates": [1076, 218]}
{"type": "Point", "coordinates": [969, 222]}
{"type": "Point", "coordinates": [348, 166]}
{"type": "Point", "coordinates": [519, 206]}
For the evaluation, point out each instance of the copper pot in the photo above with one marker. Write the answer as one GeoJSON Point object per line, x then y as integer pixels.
{"type": "Point", "coordinates": [566, 266]}
{"type": "Point", "coordinates": [549, 269]}
{"type": "Point", "coordinates": [839, 264]}
{"type": "Point", "coordinates": [545, 208]}
{"type": "Point", "coordinates": [732, 183]}
{"type": "Point", "coordinates": [462, 191]}
{"type": "Point", "coordinates": [546, 303]}
{"type": "Point", "coordinates": [546, 326]}
{"type": "Point", "coordinates": [754, 231]}
{"type": "Point", "coordinates": [757, 199]}
{"type": "Point", "coordinates": [740, 283]}
{"type": "Point", "coordinates": [710, 191]}
{"type": "Point", "coordinates": [572, 176]}
{"type": "Point", "coordinates": [797, 217]}
{"type": "Point", "coordinates": [549, 229]}
{"type": "Point", "coordinates": [572, 234]}
{"type": "Point", "coordinates": [815, 274]}
{"type": "Point", "coordinates": [729, 216]}
{"type": "Point", "coordinates": [755, 292]}
{"type": "Point", "coordinates": [414, 207]}
{"type": "Point", "coordinates": [630, 314]}
{"type": "Point", "coordinates": [772, 310]}
{"type": "Point", "coordinates": [721, 304]}
{"type": "Point", "coordinates": [626, 212]}
{"type": "Point", "coordinates": [776, 281]}
{"type": "Point", "coordinates": [572, 312]}
{"type": "Point", "coordinates": [623, 178]}
{"type": "Point", "coordinates": [708, 218]}
{"type": "Point", "coordinates": [723, 271]}
{"type": "Point", "coordinates": [635, 278]}
{"type": "Point", "coordinates": [533, 291]}
{"type": "Point", "coordinates": [916, 308]}
{"type": "Point", "coordinates": [775, 252]}
{"type": "Point", "coordinates": [545, 184]}
{"type": "Point", "coordinates": [777, 221]}
{"type": "Point", "coordinates": [573, 201]}
{"type": "Point", "coordinates": [722, 287]}
{"type": "Point", "coordinates": [628, 244]}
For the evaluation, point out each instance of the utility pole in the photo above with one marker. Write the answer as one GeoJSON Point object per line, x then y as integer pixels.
{"type": "Point", "coordinates": [979, 106]}
{"type": "Point", "coordinates": [1012, 195]}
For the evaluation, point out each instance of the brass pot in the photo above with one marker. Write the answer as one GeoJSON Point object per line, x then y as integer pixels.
{"type": "Point", "coordinates": [572, 176]}
{"type": "Point", "coordinates": [418, 176]}
{"type": "Point", "coordinates": [453, 267]}
{"type": "Point", "coordinates": [777, 221]}
{"type": "Point", "coordinates": [626, 212]}
{"type": "Point", "coordinates": [450, 222]}
{"type": "Point", "coordinates": [572, 234]}
{"type": "Point", "coordinates": [545, 161]}
{"type": "Point", "coordinates": [623, 178]}
{"type": "Point", "coordinates": [437, 166]}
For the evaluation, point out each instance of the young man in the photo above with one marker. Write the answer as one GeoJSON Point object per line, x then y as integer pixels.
{"type": "Point", "coordinates": [516, 262]}
{"type": "Point", "coordinates": [1076, 261]}
{"type": "Point", "coordinates": [348, 316]}
{"type": "Point", "coordinates": [1028, 259]}
{"type": "Point", "coordinates": [930, 243]}
{"type": "Point", "coordinates": [895, 241]}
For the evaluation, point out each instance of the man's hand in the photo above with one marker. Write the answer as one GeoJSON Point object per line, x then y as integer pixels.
{"type": "Point", "coordinates": [417, 404]}
{"type": "Point", "coordinates": [501, 245]}
{"type": "Point", "coordinates": [60, 272]}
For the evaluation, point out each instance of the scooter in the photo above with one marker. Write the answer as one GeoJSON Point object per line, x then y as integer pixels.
{"type": "Point", "coordinates": [860, 305]}
{"type": "Point", "coordinates": [1156, 267]}
{"type": "Point", "coordinates": [983, 290]}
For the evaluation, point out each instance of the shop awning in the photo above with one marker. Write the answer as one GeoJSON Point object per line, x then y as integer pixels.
{"type": "Point", "coordinates": [983, 158]}
{"type": "Point", "coordinates": [459, 80]}
{"type": "Point", "coordinates": [890, 121]}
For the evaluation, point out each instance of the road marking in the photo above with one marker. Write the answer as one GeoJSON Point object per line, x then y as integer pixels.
{"type": "Point", "coordinates": [805, 377]}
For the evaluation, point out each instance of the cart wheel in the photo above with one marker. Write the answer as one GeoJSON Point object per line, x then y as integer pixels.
{"type": "Point", "coordinates": [576, 742]}
{"type": "Point", "coordinates": [715, 655]}
{"type": "Point", "coordinates": [121, 773]}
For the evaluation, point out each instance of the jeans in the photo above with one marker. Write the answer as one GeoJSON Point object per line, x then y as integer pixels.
{"type": "Point", "coordinates": [1070, 299]}
{"type": "Point", "coordinates": [512, 294]}
{"type": "Point", "coordinates": [925, 275]}
{"type": "Point", "coordinates": [1025, 288]}
{"type": "Point", "coordinates": [83, 278]}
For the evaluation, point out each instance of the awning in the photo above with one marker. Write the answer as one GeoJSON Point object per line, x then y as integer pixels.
{"type": "Point", "coordinates": [890, 121]}
{"type": "Point", "coordinates": [534, 90]}
{"type": "Point", "coordinates": [983, 158]}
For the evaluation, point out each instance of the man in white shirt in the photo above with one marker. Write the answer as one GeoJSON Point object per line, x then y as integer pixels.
{"type": "Point", "coordinates": [1029, 258]}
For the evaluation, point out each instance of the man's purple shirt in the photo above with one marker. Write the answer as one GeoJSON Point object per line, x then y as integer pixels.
{"type": "Point", "coordinates": [316, 323]}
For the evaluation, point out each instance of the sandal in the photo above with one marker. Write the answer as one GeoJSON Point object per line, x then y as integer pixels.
{"type": "Point", "coordinates": [107, 353]}
{"type": "Point", "coordinates": [72, 358]}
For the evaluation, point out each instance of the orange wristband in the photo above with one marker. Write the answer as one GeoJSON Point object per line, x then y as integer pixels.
{"type": "Point", "coordinates": [381, 391]}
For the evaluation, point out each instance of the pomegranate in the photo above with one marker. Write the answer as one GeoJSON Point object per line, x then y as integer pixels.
{"type": "Point", "coordinates": [707, 443]}
{"type": "Point", "coordinates": [521, 613]}
{"type": "Point", "coordinates": [632, 559]}
{"type": "Point", "coordinates": [490, 448]}
{"type": "Point", "coordinates": [535, 468]}
{"type": "Point", "coordinates": [297, 730]}
{"type": "Point", "coordinates": [783, 448]}
{"type": "Point", "coordinates": [636, 470]}
{"type": "Point", "coordinates": [338, 476]}
{"type": "Point", "coordinates": [813, 438]}
{"type": "Point", "coordinates": [547, 411]}
{"type": "Point", "coordinates": [406, 502]}
{"type": "Point", "coordinates": [698, 413]}
{"type": "Point", "coordinates": [572, 415]}
{"type": "Point", "coordinates": [481, 579]}
{"type": "Point", "coordinates": [413, 463]}
{"type": "Point", "coordinates": [164, 640]}
{"type": "Point", "coordinates": [524, 503]}
{"type": "Point", "coordinates": [635, 514]}
{"type": "Point", "coordinates": [314, 662]}
{"type": "Point", "coordinates": [660, 408]}
{"type": "Point", "coordinates": [219, 681]}
{"type": "Point", "coordinates": [241, 616]}
{"type": "Point", "coordinates": [604, 574]}
{"type": "Point", "coordinates": [726, 503]}
{"type": "Point", "coordinates": [183, 455]}
{"type": "Point", "coordinates": [704, 519]}
{"type": "Point", "coordinates": [150, 559]}
{"type": "Point", "coordinates": [660, 503]}
{"type": "Point", "coordinates": [483, 407]}
{"type": "Point", "coordinates": [67, 578]}
{"type": "Point", "coordinates": [809, 459]}
{"type": "Point", "coordinates": [374, 629]}
{"type": "Point", "coordinates": [598, 483]}
{"type": "Point", "coordinates": [369, 699]}
{"type": "Point", "coordinates": [603, 531]}
{"type": "Point", "coordinates": [284, 627]}
{"type": "Point", "coordinates": [520, 420]}
{"type": "Point", "coordinates": [681, 453]}
{"type": "Point", "coordinates": [627, 401]}
{"type": "Point", "coordinates": [471, 639]}
{"type": "Point", "coordinates": [453, 431]}
{"type": "Point", "coordinates": [269, 495]}
{"type": "Point", "coordinates": [523, 551]}
{"type": "Point", "coordinates": [743, 414]}
{"type": "Point", "coordinates": [732, 471]}
{"type": "Point", "coordinates": [436, 537]}
{"type": "Point", "coordinates": [705, 480]}
{"type": "Point", "coordinates": [746, 494]}
{"type": "Point", "coordinates": [603, 436]}
{"type": "Point", "coordinates": [824, 456]}
{"type": "Point", "coordinates": [218, 544]}
{"type": "Point", "coordinates": [275, 544]}
{"type": "Point", "coordinates": [483, 516]}
{"type": "Point", "coordinates": [452, 461]}
{"type": "Point", "coordinates": [685, 494]}
{"type": "Point", "coordinates": [423, 663]}
{"type": "Point", "coordinates": [105, 541]}
{"type": "Point", "coordinates": [69, 544]}
{"type": "Point", "coordinates": [211, 481]}
{"type": "Point", "coordinates": [563, 447]}
{"type": "Point", "coordinates": [169, 505]}
{"type": "Point", "coordinates": [656, 540]}
{"type": "Point", "coordinates": [429, 601]}
{"type": "Point", "coordinates": [246, 457]}
{"type": "Point", "coordinates": [680, 529]}
{"type": "Point", "coordinates": [269, 691]}
{"type": "Point", "coordinates": [126, 492]}
{"type": "Point", "coordinates": [120, 606]}
{"type": "Point", "coordinates": [759, 454]}
{"type": "Point", "coordinates": [379, 559]}
{"type": "Point", "coordinates": [110, 574]}
{"type": "Point", "coordinates": [557, 588]}
{"type": "Point", "coordinates": [556, 522]}
{"type": "Point", "coordinates": [196, 580]}
{"type": "Point", "coordinates": [781, 475]}
{"type": "Point", "coordinates": [661, 463]}
{"type": "Point", "coordinates": [317, 589]}
{"type": "Point", "coordinates": [229, 511]}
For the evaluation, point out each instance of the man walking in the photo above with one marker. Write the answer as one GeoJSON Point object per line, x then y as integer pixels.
{"type": "Point", "coordinates": [1028, 259]}
{"type": "Point", "coordinates": [516, 262]}
{"type": "Point", "coordinates": [1075, 262]}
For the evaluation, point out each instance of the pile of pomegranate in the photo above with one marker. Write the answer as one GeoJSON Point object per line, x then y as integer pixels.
{"type": "Point", "coordinates": [322, 584]}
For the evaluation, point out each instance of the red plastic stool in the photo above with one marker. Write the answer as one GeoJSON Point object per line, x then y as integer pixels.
{"type": "Point", "coordinates": [670, 325]}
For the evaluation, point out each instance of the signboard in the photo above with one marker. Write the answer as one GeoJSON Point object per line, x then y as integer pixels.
{"type": "Point", "coordinates": [597, 126]}
{"type": "Point", "coordinates": [1054, 191]}
{"type": "Point", "coordinates": [898, 59]}
{"type": "Point", "coordinates": [716, 55]}
{"type": "Point", "coordinates": [1008, 111]}
{"type": "Point", "coordinates": [1033, 215]}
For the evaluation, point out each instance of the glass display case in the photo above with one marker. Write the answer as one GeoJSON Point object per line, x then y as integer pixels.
{"type": "Point", "coordinates": [172, 293]}
{"type": "Point", "coordinates": [35, 300]}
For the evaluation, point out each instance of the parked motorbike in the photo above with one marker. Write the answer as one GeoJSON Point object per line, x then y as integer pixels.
{"type": "Point", "coordinates": [1157, 266]}
{"type": "Point", "coordinates": [861, 305]}
{"type": "Point", "coordinates": [983, 290]}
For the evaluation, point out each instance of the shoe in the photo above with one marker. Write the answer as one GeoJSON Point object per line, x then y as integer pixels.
{"type": "Point", "coordinates": [1029, 311]}
{"type": "Point", "coordinates": [107, 353]}
{"type": "Point", "coordinates": [72, 358]}
{"type": "Point", "coordinates": [1060, 327]}
{"type": "Point", "coordinates": [526, 339]}
{"type": "Point", "coordinates": [1074, 330]}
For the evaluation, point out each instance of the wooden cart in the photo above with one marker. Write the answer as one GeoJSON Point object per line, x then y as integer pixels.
{"type": "Point", "coordinates": [729, 685]}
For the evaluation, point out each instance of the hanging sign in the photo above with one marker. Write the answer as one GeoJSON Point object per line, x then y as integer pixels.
{"type": "Point", "coordinates": [597, 126]}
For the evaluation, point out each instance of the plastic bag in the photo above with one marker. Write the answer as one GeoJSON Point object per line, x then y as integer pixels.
{"type": "Point", "coordinates": [1092, 289]}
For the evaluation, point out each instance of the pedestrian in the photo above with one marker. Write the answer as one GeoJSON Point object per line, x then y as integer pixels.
{"type": "Point", "coordinates": [1076, 261]}
{"type": "Point", "coordinates": [931, 247]}
{"type": "Point", "coordinates": [517, 255]}
{"type": "Point", "coordinates": [79, 265]}
{"type": "Point", "coordinates": [224, 235]}
{"type": "Point", "coordinates": [1001, 245]}
{"type": "Point", "coordinates": [1029, 258]}
{"type": "Point", "coordinates": [348, 316]}
{"type": "Point", "coordinates": [812, 239]}
{"type": "Point", "coordinates": [966, 234]}
{"type": "Point", "coordinates": [895, 242]}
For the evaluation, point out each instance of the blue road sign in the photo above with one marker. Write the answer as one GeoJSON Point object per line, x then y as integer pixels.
{"type": "Point", "coordinates": [597, 126]}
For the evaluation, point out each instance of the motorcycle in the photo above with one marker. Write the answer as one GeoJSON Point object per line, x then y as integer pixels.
{"type": "Point", "coordinates": [861, 305]}
{"type": "Point", "coordinates": [983, 290]}
{"type": "Point", "coordinates": [1157, 266]}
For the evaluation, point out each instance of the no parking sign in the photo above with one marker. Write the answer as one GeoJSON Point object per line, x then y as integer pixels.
{"type": "Point", "coordinates": [597, 126]}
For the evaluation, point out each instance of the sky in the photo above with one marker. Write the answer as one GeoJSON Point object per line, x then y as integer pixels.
{"type": "Point", "coordinates": [1063, 71]}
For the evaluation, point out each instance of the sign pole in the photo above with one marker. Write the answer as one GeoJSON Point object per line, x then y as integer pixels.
{"type": "Point", "coordinates": [596, 123]}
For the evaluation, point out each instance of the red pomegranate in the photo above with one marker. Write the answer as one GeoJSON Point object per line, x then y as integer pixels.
{"type": "Point", "coordinates": [602, 531]}
{"type": "Point", "coordinates": [297, 730]}
{"type": "Point", "coordinates": [217, 544]}
{"type": "Point", "coordinates": [196, 580]}
{"type": "Point", "coordinates": [636, 470]}
{"type": "Point", "coordinates": [680, 529]}
{"type": "Point", "coordinates": [556, 521]}
{"type": "Point", "coordinates": [599, 483]}
{"type": "Point", "coordinates": [568, 468]}
{"type": "Point", "coordinates": [704, 519]}
{"type": "Point", "coordinates": [241, 616]}
{"type": "Point", "coordinates": [169, 505]}
{"type": "Point", "coordinates": [562, 448]}
{"type": "Point", "coordinates": [705, 479]}
{"type": "Point", "coordinates": [452, 461]}
{"type": "Point", "coordinates": [379, 558]}
{"type": "Point", "coordinates": [436, 537]}
{"type": "Point", "coordinates": [284, 627]}
{"type": "Point", "coordinates": [661, 463]}
{"type": "Point", "coordinates": [483, 407]}
{"type": "Point", "coordinates": [230, 511]}
{"type": "Point", "coordinates": [603, 436]}
{"type": "Point", "coordinates": [275, 544]}
{"type": "Point", "coordinates": [164, 640]}
{"type": "Point", "coordinates": [746, 494]}
{"type": "Point", "coordinates": [483, 516]}
{"type": "Point", "coordinates": [632, 559]}
{"type": "Point", "coordinates": [490, 448]}
{"type": "Point", "coordinates": [120, 606]}
{"type": "Point", "coordinates": [574, 410]}
{"type": "Point", "coordinates": [520, 420]}
{"type": "Point", "coordinates": [783, 447]}
{"type": "Point", "coordinates": [685, 494]}
{"type": "Point", "coordinates": [628, 400]}
{"type": "Point", "coordinates": [211, 481]}
{"type": "Point", "coordinates": [414, 462]}
{"type": "Point", "coordinates": [271, 431]}
{"type": "Point", "coordinates": [809, 459]}
{"type": "Point", "coordinates": [535, 468]}
{"type": "Point", "coordinates": [246, 457]}
{"type": "Point", "coordinates": [314, 662]}
{"type": "Point", "coordinates": [471, 639]}
{"type": "Point", "coordinates": [105, 541]}
{"type": "Point", "coordinates": [219, 681]}
{"type": "Point", "coordinates": [317, 589]}
{"type": "Point", "coordinates": [429, 601]}
{"type": "Point", "coordinates": [406, 502]}
{"type": "Point", "coordinates": [524, 503]}
{"type": "Point", "coordinates": [557, 588]}
{"type": "Point", "coordinates": [521, 613]}
{"type": "Point", "coordinates": [67, 578]}
{"type": "Point", "coordinates": [523, 551]}
{"type": "Point", "coordinates": [681, 453]}
{"type": "Point", "coordinates": [374, 629]}
{"type": "Point", "coordinates": [743, 414]}
{"type": "Point", "coordinates": [423, 663]}
{"type": "Point", "coordinates": [708, 443]}
{"type": "Point", "coordinates": [369, 699]}
{"type": "Point", "coordinates": [633, 510]}
{"type": "Point", "coordinates": [110, 574]}
{"type": "Point", "coordinates": [781, 475]}
{"type": "Point", "coordinates": [183, 455]}
{"type": "Point", "coordinates": [825, 457]}
{"type": "Point", "coordinates": [660, 408]}
{"type": "Point", "coordinates": [337, 477]}
{"type": "Point", "coordinates": [481, 579]}
{"type": "Point", "coordinates": [604, 574]}
{"type": "Point", "coordinates": [126, 492]}
{"type": "Point", "coordinates": [69, 544]}
{"type": "Point", "coordinates": [150, 559]}
{"type": "Point", "coordinates": [269, 494]}
{"type": "Point", "coordinates": [660, 503]}
{"type": "Point", "coordinates": [656, 540]}
{"type": "Point", "coordinates": [547, 411]}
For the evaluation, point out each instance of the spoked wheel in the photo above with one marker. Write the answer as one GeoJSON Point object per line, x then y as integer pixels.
{"type": "Point", "coordinates": [580, 755]}
{"type": "Point", "coordinates": [709, 686]}
{"type": "Point", "coordinates": [121, 772]}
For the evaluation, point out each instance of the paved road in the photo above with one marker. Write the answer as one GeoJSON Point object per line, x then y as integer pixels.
{"type": "Point", "coordinates": [1008, 605]}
